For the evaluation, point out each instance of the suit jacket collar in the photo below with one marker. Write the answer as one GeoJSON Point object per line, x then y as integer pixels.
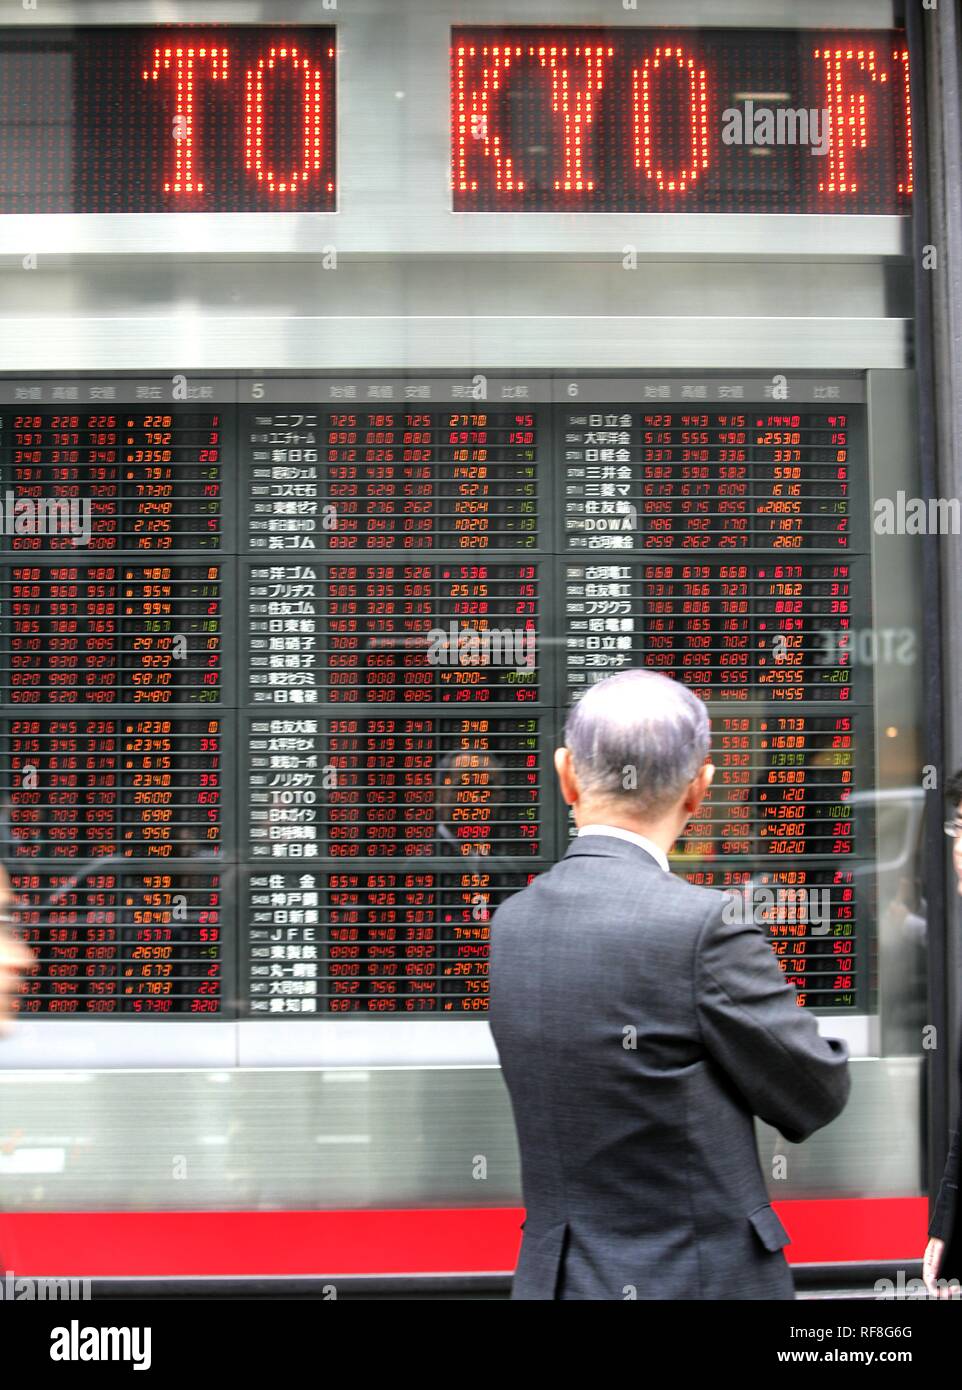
{"type": "Point", "coordinates": [610, 847]}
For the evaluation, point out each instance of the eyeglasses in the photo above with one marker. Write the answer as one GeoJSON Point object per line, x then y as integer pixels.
{"type": "Point", "coordinates": [953, 828]}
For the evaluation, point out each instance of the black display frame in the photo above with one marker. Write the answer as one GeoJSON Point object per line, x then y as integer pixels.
{"type": "Point", "coordinates": [552, 391]}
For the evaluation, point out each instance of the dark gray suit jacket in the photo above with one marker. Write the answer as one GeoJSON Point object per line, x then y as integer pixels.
{"type": "Point", "coordinates": [639, 1033]}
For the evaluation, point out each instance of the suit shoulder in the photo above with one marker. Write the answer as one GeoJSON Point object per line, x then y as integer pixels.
{"type": "Point", "coordinates": [694, 899]}
{"type": "Point", "coordinates": [511, 904]}
{"type": "Point", "coordinates": [670, 896]}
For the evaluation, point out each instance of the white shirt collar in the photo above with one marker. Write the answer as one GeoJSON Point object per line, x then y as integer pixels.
{"type": "Point", "coordinates": [656, 851]}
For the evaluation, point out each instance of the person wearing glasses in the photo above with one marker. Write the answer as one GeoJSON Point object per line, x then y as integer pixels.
{"type": "Point", "coordinates": [942, 1261]}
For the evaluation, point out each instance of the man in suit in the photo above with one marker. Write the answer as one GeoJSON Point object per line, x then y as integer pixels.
{"type": "Point", "coordinates": [642, 1023]}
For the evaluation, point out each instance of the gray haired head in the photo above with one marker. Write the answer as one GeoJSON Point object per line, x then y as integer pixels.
{"type": "Point", "coordinates": [638, 738]}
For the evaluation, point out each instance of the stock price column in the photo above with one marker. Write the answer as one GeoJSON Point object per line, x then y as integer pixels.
{"type": "Point", "coordinates": [113, 737]}
{"type": "Point", "coordinates": [396, 725]}
{"type": "Point", "coordinates": [716, 530]}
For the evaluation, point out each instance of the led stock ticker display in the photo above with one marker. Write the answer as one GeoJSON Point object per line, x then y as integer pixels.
{"type": "Point", "coordinates": [235, 118]}
{"type": "Point", "coordinates": [283, 665]}
{"type": "Point", "coordinates": [223, 118]}
{"type": "Point", "coordinates": [562, 119]}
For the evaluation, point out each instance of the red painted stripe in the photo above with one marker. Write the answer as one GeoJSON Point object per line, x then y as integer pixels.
{"type": "Point", "coordinates": [861, 1228]}
{"type": "Point", "coordinates": [130, 1244]}
{"type": "Point", "coordinates": [464, 1241]}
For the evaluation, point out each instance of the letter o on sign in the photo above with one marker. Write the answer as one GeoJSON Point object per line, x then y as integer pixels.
{"type": "Point", "coordinates": [254, 150]}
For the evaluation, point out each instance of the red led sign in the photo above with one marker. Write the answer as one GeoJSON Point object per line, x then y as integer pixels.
{"type": "Point", "coordinates": [646, 120]}
{"type": "Point", "coordinates": [179, 119]}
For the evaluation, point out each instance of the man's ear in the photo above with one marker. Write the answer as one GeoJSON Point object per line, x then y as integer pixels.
{"type": "Point", "coordinates": [698, 788]}
{"type": "Point", "coordinates": [567, 781]}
